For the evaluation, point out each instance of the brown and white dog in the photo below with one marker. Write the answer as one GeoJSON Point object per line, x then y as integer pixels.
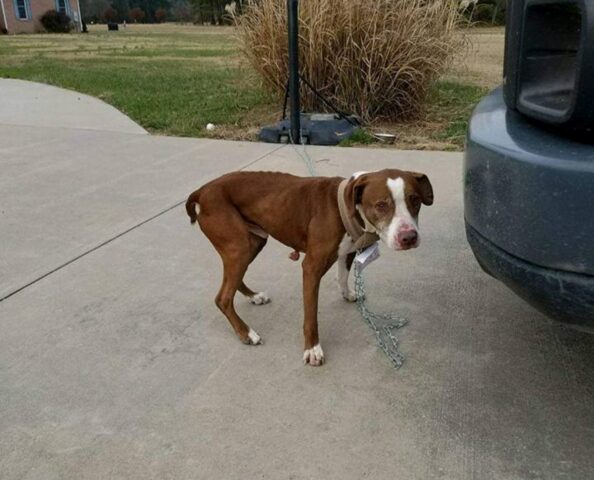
{"type": "Point", "coordinates": [239, 210]}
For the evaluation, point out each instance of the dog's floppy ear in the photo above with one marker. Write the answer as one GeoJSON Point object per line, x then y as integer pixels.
{"type": "Point", "coordinates": [353, 193]}
{"type": "Point", "coordinates": [425, 188]}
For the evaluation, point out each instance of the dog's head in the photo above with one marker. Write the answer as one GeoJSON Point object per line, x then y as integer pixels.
{"type": "Point", "coordinates": [388, 201]}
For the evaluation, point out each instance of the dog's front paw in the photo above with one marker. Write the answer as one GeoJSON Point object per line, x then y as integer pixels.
{"type": "Point", "coordinates": [349, 295]}
{"type": "Point", "coordinates": [314, 356]}
{"type": "Point", "coordinates": [259, 298]}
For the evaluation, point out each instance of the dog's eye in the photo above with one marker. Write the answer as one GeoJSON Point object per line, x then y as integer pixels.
{"type": "Point", "coordinates": [381, 205]}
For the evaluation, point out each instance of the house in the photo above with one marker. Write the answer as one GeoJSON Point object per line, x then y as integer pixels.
{"type": "Point", "coordinates": [22, 16]}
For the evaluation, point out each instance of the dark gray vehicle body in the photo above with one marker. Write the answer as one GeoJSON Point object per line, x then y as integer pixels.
{"type": "Point", "coordinates": [529, 210]}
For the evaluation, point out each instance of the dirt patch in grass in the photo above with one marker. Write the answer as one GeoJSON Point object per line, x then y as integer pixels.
{"type": "Point", "coordinates": [481, 63]}
{"type": "Point", "coordinates": [174, 79]}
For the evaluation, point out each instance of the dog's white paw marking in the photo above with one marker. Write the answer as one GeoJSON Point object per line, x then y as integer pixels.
{"type": "Point", "coordinates": [314, 356]}
{"type": "Point", "coordinates": [259, 299]}
{"type": "Point", "coordinates": [254, 338]}
{"type": "Point", "coordinates": [349, 295]}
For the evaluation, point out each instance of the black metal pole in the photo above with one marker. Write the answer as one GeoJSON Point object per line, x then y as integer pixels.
{"type": "Point", "coordinates": [293, 18]}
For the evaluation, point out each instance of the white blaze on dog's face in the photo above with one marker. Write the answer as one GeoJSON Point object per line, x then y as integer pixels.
{"type": "Point", "coordinates": [388, 201]}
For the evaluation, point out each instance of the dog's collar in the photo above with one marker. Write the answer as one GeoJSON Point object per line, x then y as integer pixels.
{"type": "Point", "coordinates": [368, 228]}
{"type": "Point", "coordinates": [362, 236]}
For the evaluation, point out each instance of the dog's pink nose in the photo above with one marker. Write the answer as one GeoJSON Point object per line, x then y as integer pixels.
{"type": "Point", "coordinates": [408, 238]}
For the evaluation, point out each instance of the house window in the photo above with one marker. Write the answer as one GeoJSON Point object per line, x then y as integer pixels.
{"type": "Point", "coordinates": [21, 9]}
{"type": "Point", "coordinates": [61, 6]}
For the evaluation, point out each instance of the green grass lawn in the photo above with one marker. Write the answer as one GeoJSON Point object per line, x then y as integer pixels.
{"type": "Point", "coordinates": [451, 105]}
{"type": "Point", "coordinates": [173, 80]}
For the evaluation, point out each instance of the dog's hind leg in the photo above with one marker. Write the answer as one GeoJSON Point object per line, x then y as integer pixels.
{"type": "Point", "coordinates": [234, 246]}
{"type": "Point", "coordinates": [234, 269]}
{"type": "Point", "coordinates": [256, 298]}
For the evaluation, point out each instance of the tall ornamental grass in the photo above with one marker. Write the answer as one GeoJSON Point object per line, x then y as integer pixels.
{"type": "Point", "coordinates": [374, 58]}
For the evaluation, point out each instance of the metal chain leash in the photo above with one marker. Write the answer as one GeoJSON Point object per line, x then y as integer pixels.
{"type": "Point", "coordinates": [384, 336]}
{"type": "Point", "coordinates": [305, 157]}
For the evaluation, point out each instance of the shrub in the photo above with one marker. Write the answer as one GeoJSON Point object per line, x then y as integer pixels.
{"type": "Point", "coordinates": [374, 58]}
{"type": "Point", "coordinates": [137, 14]}
{"type": "Point", "coordinates": [485, 12]}
{"type": "Point", "coordinates": [160, 15]}
{"type": "Point", "coordinates": [56, 22]}
{"type": "Point", "coordinates": [110, 14]}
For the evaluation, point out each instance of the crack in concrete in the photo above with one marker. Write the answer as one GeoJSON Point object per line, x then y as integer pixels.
{"type": "Point", "coordinates": [119, 235]}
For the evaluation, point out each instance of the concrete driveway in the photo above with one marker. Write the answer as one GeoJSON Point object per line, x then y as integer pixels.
{"type": "Point", "coordinates": [115, 363]}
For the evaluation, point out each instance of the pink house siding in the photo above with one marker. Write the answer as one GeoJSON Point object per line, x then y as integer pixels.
{"type": "Point", "coordinates": [11, 13]}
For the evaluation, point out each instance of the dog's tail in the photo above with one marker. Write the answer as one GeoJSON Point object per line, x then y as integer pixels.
{"type": "Point", "coordinates": [193, 200]}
